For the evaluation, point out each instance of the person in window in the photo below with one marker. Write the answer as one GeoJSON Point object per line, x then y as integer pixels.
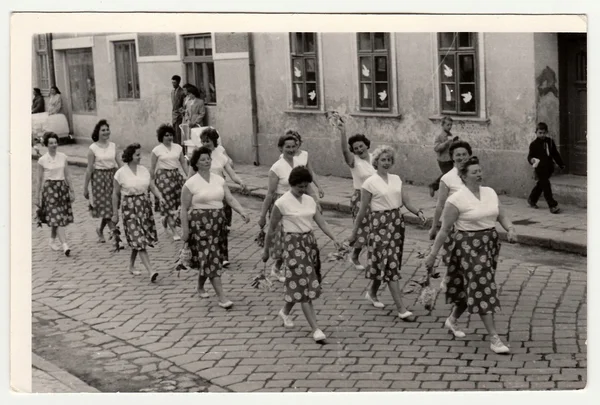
{"type": "Point", "coordinates": [55, 101]}
{"type": "Point", "coordinates": [384, 194]}
{"type": "Point", "coordinates": [296, 211]}
{"type": "Point", "coordinates": [38, 104]}
{"type": "Point", "coordinates": [130, 189]}
{"type": "Point", "coordinates": [194, 107]}
{"type": "Point", "coordinates": [55, 193]}
{"type": "Point", "coordinates": [202, 219]}
{"type": "Point", "coordinates": [178, 109]}
{"type": "Point", "coordinates": [473, 212]}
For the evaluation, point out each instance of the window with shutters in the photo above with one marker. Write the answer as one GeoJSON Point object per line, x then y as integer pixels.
{"type": "Point", "coordinates": [374, 71]}
{"type": "Point", "coordinates": [128, 83]}
{"type": "Point", "coordinates": [305, 70]}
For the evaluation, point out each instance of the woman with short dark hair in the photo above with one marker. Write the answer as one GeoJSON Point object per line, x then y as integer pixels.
{"type": "Point", "coordinates": [194, 107]}
{"type": "Point", "coordinates": [38, 104]}
{"type": "Point", "coordinates": [55, 101]}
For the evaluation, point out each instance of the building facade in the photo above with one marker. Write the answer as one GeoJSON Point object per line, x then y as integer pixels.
{"type": "Point", "coordinates": [393, 87]}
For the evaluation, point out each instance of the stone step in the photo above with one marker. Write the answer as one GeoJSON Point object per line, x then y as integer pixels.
{"type": "Point", "coordinates": [570, 189]}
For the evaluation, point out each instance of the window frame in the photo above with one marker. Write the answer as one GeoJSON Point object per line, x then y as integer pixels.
{"type": "Point", "coordinates": [204, 60]}
{"type": "Point", "coordinates": [372, 54]}
{"type": "Point", "coordinates": [133, 69]}
{"type": "Point", "coordinates": [297, 52]}
{"type": "Point", "coordinates": [456, 51]}
{"type": "Point", "coordinates": [72, 51]}
{"type": "Point", "coordinates": [43, 55]}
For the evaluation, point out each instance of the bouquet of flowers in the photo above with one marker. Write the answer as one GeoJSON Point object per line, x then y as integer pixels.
{"type": "Point", "coordinates": [184, 260]}
{"type": "Point", "coordinates": [261, 281]}
{"type": "Point", "coordinates": [334, 118]}
{"type": "Point", "coordinates": [260, 238]}
{"type": "Point", "coordinates": [40, 215]}
{"type": "Point", "coordinates": [115, 236]}
{"type": "Point", "coordinates": [341, 254]}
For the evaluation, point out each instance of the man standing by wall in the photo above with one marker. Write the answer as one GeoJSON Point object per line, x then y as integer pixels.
{"type": "Point", "coordinates": [177, 99]}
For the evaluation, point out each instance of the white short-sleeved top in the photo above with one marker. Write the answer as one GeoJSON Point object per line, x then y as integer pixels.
{"type": "Point", "coordinates": [453, 181]}
{"type": "Point", "coordinates": [133, 183]}
{"type": "Point", "coordinates": [300, 159]}
{"type": "Point", "coordinates": [475, 214]}
{"type": "Point", "coordinates": [282, 169]}
{"type": "Point", "coordinates": [362, 170]}
{"type": "Point", "coordinates": [218, 163]}
{"type": "Point", "coordinates": [385, 196]}
{"type": "Point", "coordinates": [167, 159]}
{"type": "Point", "coordinates": [206, 195]}
{"type": "Point", "coordinates": [54, 167]}
{"type": "Point", "coordinates": [220, 149]}
{"type": "Point", "coordinates": [297, 216]}
{"type": "Point", "coordinates": [105, 158]}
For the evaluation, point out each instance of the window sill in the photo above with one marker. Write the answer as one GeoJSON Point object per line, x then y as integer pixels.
{"type": "Point", "coordinates": [91, 113]}
{"type": "Point", "coordinates": [128, 100]}
{"type": "Point", "coordinates": [461, 118]}
{"type": "Point", "coordinates": [307, 111]}
{"type": "Point", "coordinates": [381, 114]}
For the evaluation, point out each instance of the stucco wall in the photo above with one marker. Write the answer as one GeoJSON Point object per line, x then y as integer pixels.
{"type": "Point", "coordinates": [547, 88]}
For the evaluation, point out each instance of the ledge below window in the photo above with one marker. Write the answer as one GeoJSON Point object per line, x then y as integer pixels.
{"type": "Point", "coordinates": [460, 118]}
{"type": "Point", "coordinates": [290, 111]}
{"type": "Point", "coordinates": [376, 114]}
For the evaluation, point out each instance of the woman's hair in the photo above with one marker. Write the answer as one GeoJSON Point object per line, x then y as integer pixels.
{"type": "Point", "coordinates": [460, 144]}
{"type": "Point", "coordinates": [358, 138]}
{"type": "Point", "coordinates": [203, 150]}
{"type": "Point", "coordinates": [283, 138]}
{"type": "Point", "coordinates": [55, 89]}
{"type": "Point", "coordinates": [298, 175]}
{"type": "Point", "coordinates": [37, 91]}
{"type": "Point", "coordinates": [295, 134]}
{"type": "Point", "coordinates": [380, 151]}
{"type": "Point", "coordinates": [447, 119]}
{"type": "Point", "coordinates": [129, 152]}
{"type": "Point", "coordinates": [96, 132]}
{"type": "Point", "coordinates": [211, 134]}
{"type": "Point", "coordinates": [48, 136]}
{"type": "Point", "coordinates": [163, 130]}
{"type": "Point", "coordinates": [464, 167]}
{"type": "Point", "coordinates": [192, 89]}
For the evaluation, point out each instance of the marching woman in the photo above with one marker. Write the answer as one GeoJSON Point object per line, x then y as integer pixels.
{"type": "Point", "coordinates": [219, 166]}
{"type": "Point", "coordinates": [55, 193]}
{"type": "Point", "coordinates": [473, 212]}
{"type": "Point", "coordinates": [132, 182]}
{"type": "Point", "coordinates": [166, 162]}
{"type": "Point", "coordinates": [357, 157]}
{"type": "Point", "coordinates": [301, 159]}
{"type": "Point", "coordinates": [202, 219]}
{"type": "Point", "coordinates": [295, 211]}
{"type": "Point", "coordinates": [384, 194]}
{"type": "Point", "coordinates": [103, 162]}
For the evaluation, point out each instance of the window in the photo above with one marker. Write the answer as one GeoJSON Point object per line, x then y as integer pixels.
{"type": "Point", "coordinates": [128, 84]}
{"type": "Point", "coordinates": [43, 64]}
{"type": "Point", "coordinates": [82, 85]}
{"type": "Point", "coordinates": [303, 53]}
{"type": "Point", "coordinates": [199, 65]}
{"type": "Point", "coordinates": [459, 92]}
{"type": "Point", "coordinates": [374, 71]}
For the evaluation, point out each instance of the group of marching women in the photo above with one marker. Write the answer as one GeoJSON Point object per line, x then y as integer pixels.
{"type": "Point", "coordinates": [202, 204]}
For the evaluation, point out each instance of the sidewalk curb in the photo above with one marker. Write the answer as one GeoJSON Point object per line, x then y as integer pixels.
{"type": "Point", "coordinates": [61, 375]}
{"type": "Point", "coordinates": [523, 239]}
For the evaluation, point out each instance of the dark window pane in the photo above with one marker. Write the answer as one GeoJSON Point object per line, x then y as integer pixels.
{"type": "Point", "coordinates": [366, 70]}
{"type": "Point", "coordinates": [311, 95]}
{"type": "Point", "coordinates": [447, 71]}
{"type": "Point", "coordinates": [298, 92]}
{"type": "Point", "coordinates": [189, 73]}
{"type": "Point", "coordinates": [381, 69]}
{"type": "Point", "coordinates": [467, 98]}
{"type": "Point", "coordinates": [366, 95]}
{"type": "Point", "coordinates": [82, 86]}
{"type": "Point", "coordinates": [207, 43]}
{"type": "Point", "coordinates": [189, 47]}
{"type": "Point", "coordinates": [380, 40]}
{"type": "Point", "coordinates": [309, 42]}
{"type": "Point", "coordinates": [212, 94]}
{"type": "Point", "coordinates": [311, 70]}
{"type": "Point", "coordinates": [448, 97]}
{"type": "Point", "coordinates": [199, 78]}
{"type": "Point", "coordinates": [465, 39]}
{"type": "Point", "coordinates": [382, 98]}
{"type": "Point", "coordinates": [467, 68]}
{"type": "Point", "coordinates": [364, 41]}
{"type": "Point", "coordinates": [298, 43]}
{"type": "Point", "coordinates": [446, 40]}
{"type": "Point", "coordinates": [298, 69]}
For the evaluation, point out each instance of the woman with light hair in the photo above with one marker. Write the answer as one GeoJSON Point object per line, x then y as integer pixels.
{"type": "Point", "coordinates": [384, 195]}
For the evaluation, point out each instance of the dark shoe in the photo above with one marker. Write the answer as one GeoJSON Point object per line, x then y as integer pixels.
{"type": "Point", "coordinates": [431, 191]}
{"type": "Point", "coordinates": [555, 210]}
{"type": "Point", "coordinates": [532, 204]}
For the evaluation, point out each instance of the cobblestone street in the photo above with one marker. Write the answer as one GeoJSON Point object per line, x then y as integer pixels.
{"type": "Point", "coordinates": [118, 332]}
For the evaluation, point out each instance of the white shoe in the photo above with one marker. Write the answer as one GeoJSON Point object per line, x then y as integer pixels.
{"type": "Point", "coordinates": [54, 244]}
{"type": "Point", "coordinates": [66, 249]}
{"type": "Point", "coordinates": [356, 264]}
{"type": "Point", "coordinates": [276, 274]}
{"type": "Point", "coordinates": [176, 237]}
{"type": "Point", "coordinates": [376, 304]}
{"type": "Point", "coordinates": [228, 304]}
{"type": "Point", "coordinates": [319, 336]}
{"type": "Point", "coordinates": [287, 322]}
{"type": "Point", "coordinates": [453, 327]}
{"type": "Point", "coordinates": [226, 263]}
{"type": "Point", "coordinates": [497, 346]}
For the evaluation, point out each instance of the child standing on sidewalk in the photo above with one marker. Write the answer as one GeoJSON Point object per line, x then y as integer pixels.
{"type": "Point", "coordinates": [442, 149]}
{"type": "Point", "coordinates": [542, 155]}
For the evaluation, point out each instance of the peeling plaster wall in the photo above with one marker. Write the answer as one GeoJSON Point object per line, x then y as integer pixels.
{"type": "Point", "coordinates": [546, 74]}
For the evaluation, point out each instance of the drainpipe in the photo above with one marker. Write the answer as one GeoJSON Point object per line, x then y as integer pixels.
{"type": "Point", "coordinates": [253, 100]}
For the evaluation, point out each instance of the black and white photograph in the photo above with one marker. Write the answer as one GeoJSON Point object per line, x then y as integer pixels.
{"type": "Point", "coordinates": [252, 211]}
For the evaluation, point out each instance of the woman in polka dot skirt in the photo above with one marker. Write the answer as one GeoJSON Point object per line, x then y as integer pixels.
{"type": "Point", "coordinates": [296, 210]}
{"type": "Point", "coordinates": [473, 212]}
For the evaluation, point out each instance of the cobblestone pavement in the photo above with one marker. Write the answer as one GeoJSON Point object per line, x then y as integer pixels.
{"type": "Point", "coordinates": [118, 332]}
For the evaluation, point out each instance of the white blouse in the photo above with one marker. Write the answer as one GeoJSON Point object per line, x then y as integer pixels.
{"type": "Point", "coordinates": [218, 163]}
{"type": "Point", "coordinates": [133, 183]}
{"type": "Point", "coordinates": [297, 216]}
{"type": "Point", "coordinates": [167, 159]}
{"type": "Point", "coordinates": [206, 195]}
{"type": "Point", "coordinates": [54, 167]}
{"type": "Point", "coordinates": [282, 169]}
{"type": "Point", "coordinates": [105, 158]}
{"type": "Point", "coordinates": [362, 170]}
{"type": "Point", "coordinates": [453, 181]}
{"type": "Point", "coordinates": [385, 196]}
{"type": "Point", "coordinates": [475, 214]}
{"type": "Point", "coordinates": [300, 159]}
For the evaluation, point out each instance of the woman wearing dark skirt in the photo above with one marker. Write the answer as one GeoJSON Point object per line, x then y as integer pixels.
{"type": "Point", "coordinates": [384, 194]}
{"type": "Point", "coordinates": [167, 162]}
{"type": "Point", "coordinates": [202, 220]}
{"type": "Point", "coordinates": [55, 193]}
{"type": "Point", "coordinates": [473, 212]}
{"type": "Point", "coordinates": [103, 162]}
{"type": "Point", "coordinates": [295, 211]}
{"type": "Point", "coordinates": [132, 182]}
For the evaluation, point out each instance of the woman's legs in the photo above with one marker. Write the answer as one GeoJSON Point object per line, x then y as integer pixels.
{"type": "Point", "coordinates": [53, 232]}
{"type": "Point", "coordinates": [146, 261]}
{"type": "Point", "coordinates": [132, 258]}
{"type": "Point", "coordinates": [200, 286]}
{"type": "Point", "coordinates": [457, 310]}
{"type": "Point", "coordinates": [396, 292]}
{"type": "Point", "coordinates": [356, 254]}
{"type": "Point", "coordinates": [375, 284]}
{"type": "Point", "coordinates": [62, 236]}
{"type": "Point", "coordinates": [488, 321]}
{"type": "Point", "coordinates": [309, 313]}
{"type": "Point", "coordinates": [218, 286]}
